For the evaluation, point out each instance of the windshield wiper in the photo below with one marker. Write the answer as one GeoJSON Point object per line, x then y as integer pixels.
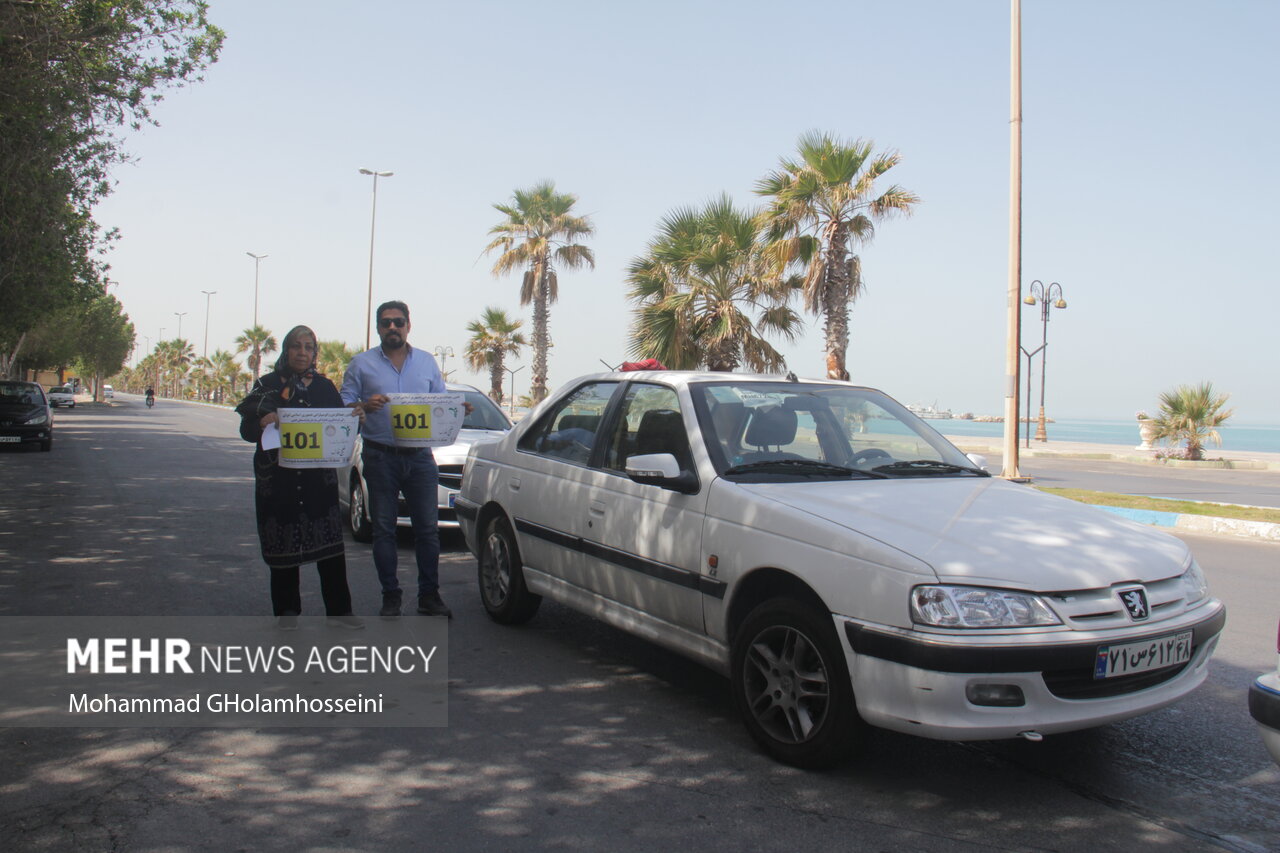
{"type": "Point", "coordinates": [802, 467]}
{"type": "Point", "coordinates": [929, 466]}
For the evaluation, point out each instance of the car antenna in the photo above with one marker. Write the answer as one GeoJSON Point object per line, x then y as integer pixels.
{"type": "Point", "coordinates": [791, 376]}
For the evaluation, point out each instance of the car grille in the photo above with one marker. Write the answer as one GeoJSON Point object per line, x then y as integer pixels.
{"type": "Point", "coordinates": [451, 477]}
{"type": "Point", "coordinates": [1080, 684]}
{"type": "Point", "coordinates": [1096, 609]}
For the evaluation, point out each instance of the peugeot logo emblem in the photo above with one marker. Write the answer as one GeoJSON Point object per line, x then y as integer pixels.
{"type": "Point", "coordinates": [1135, 603]}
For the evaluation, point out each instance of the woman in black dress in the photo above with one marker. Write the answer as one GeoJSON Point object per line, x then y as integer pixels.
{"type": "Point", "coordinates": [299, 520]}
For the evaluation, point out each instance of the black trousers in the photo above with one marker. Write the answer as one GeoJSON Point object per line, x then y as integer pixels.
{"type": "Point", "coordinates": [285, 597]}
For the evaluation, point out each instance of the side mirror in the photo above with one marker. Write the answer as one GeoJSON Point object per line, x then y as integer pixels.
{"type": "Point", "coordinates": [978, 460]}
{"type": "Point", "coordinates": [662, 470]}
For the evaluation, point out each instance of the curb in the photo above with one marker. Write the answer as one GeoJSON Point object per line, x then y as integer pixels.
{"type": "Point", "coordinates": [1264, 530]}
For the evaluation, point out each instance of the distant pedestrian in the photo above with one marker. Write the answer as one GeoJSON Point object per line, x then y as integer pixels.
{"type": "Point", "coordinates": [396, 367]}
{"type": "Point", "coordinates": [299, 520]}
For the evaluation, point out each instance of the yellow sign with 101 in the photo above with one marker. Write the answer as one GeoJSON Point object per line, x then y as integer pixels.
{"type": "Point", "coordinates": [301, 441]}
{"type": "Point", "coordinates": [411, 420]}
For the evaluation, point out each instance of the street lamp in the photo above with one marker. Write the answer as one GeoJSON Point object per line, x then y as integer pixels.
{"type": "Point", "coordinates": [1048, 297]}
{"type": "Point", "coordinates": [442, 353]}
{"type": "Point", "coordinates": [511, 407]}
{"type": "Point", "coordinates": [373, 221]}
{"type": "Point", "coordinates": [180, 315]}
{"type": "Point", "coordinates": [207, 295]}
{"type": "Point", "coordinates": [257, 263]}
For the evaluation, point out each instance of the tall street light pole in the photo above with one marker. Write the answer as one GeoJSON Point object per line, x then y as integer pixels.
{"type": "Point", "coordinates": [373, 222]}
{"type": "Point", "coordinates": [1048, 297]}
{"type": "Point", "coordinates": [207, 295]}
{"type": "Point", "coordinates": [257, 263]}
{"type": "Point", "coordinates": [180, 315]}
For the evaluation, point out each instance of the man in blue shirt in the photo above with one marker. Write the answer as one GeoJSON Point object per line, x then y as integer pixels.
{"type": "Point", "coordinates": [395, 367]}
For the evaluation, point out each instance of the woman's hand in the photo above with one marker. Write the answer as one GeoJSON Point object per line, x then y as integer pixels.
{"type": "Point", "coordinates": [268, 419]}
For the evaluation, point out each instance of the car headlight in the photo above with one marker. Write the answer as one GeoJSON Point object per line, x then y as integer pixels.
{"type": "Point", "coordinates": [37, 420]}
{"type": "Point", "coordinates": [1194, 585]}
{"type": "Point", "coordinates": [976, 607]}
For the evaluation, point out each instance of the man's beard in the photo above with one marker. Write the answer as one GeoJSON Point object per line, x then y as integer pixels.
{"type": "Point", "coordinates": [392, 342]}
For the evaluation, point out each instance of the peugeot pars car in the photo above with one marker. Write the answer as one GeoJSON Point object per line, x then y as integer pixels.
{"type": "Point", "coordinates": [836, 557]}
{"type": "Point", "coordinates": [25, 415]}
{"type": "Point", "coordinates": [486, 422]}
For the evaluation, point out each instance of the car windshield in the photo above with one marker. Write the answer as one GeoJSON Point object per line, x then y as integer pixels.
{"type": "Point", "coordinates": [19, 393]}
{"type": "Point", "coordinates": [763, 431]}
{"type": "Point", "coordinates": [484, 413]}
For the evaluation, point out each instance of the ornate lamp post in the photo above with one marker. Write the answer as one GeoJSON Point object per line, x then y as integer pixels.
{"type": "Point", "coordinates": [373, 221]}
{"type": "Point", "coordinates": [511, 405]}
{"type": "Point", "coordinates": [1048, 297]}
{"type": "Point", "coordinates": [443, 353]}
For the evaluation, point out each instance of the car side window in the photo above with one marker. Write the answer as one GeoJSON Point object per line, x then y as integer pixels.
{"type": "Point", "coordinates": [569, 430]}
{"type": "Point", "coordinates": [650, 421]}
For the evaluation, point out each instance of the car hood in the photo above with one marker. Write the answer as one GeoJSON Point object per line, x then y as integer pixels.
{"type": "Point", "coordinates": [456, 453]}
{"type": "Point", "coordinates": [19, 411]}
{"type": "Point", "coordinates": [989, 531]}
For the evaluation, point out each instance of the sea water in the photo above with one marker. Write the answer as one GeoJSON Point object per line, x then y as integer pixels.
{"type": "Point", "coordinates": [1259, 438]}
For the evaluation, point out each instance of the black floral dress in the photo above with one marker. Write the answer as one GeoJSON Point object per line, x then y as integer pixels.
{"type": "Point", "coordinates": [299, 520]}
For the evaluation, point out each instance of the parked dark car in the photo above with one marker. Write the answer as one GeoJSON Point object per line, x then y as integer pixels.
{"type": "Point", "coordinates": [25, 415]}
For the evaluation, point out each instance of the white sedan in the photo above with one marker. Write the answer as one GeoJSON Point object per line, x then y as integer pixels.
{"type": "Point", "coordinates": [836, 557]}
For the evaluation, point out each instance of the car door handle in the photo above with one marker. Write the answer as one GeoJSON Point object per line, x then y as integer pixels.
{"type": "Point", "coordinates": [514, 484]}
{"type": "Point", "coordinates": [596, 508]}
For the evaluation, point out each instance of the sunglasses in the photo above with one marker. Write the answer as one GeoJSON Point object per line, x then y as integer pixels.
{"type": "Point", "coordinates": [388, 322]}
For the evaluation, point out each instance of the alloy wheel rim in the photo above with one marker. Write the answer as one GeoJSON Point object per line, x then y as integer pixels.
{"type": "Point", "coordinates": [357, 507]}
{"type": "Point", "coordinates": [497, 570]}
{"type": "Point", "coordinates": [786, 684]}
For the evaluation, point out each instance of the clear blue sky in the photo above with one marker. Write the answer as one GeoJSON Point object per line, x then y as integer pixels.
{"type": "Point", "coordinates": [1150, 176]}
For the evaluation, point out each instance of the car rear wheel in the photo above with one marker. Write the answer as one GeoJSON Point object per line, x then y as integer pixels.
{"type": "Point", "coordinates": [791, 685]}
{"type": "Point", "coordinates": [361, 526]}
{"type": "Point", "coordinates": [506, 599]}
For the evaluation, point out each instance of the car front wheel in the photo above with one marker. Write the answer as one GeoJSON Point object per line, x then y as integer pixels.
{"type": "Point", "coordinates": [361, 527]}
{"type": "Point", "coordinates": [506, 599]}
{"type": "Point", "coordinates": [791, 685]}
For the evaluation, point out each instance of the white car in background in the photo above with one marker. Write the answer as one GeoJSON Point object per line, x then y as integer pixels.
{"type": "Point", "coordinates": [1264, 706]}
{"type": "Point", "coordinates": [839, 560]}
{"type": "Point", "coordinates": [62, 395]}
{"type": "Point", "coordinates": [485, 423]}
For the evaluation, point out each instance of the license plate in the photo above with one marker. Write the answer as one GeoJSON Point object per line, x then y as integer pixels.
{"type": "Point", "coordinates": [10, 438]}
{"type": "Point", "coordinates": [1132, 658]}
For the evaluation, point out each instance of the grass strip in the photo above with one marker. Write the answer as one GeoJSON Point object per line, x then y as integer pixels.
{"type": "Point", "coordinates": [1244, 513]}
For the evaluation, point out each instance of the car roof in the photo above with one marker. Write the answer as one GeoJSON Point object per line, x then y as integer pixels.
{"type": "Point", "coordinates": [687, 377]}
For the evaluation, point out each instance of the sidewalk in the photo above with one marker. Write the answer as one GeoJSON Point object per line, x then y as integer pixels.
{"type": "Point", "coordinates": [1217, 459]}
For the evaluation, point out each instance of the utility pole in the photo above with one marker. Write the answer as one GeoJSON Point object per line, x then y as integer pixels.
{"type": "Point", "coordinates": [1013, 342]}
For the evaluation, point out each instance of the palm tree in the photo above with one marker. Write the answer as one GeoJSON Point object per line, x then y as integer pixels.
{"type": "Point", "coordinates": [493, 337]}
{"type": "Point", "coordinates": [819, 204]}
{"type": "Point", "coordinates": [539, 233]}
{"type": "Point", "coordinates": [333, 358]}
{"type": "Point", "coordinates": [1192, 414]}
{"type": "Point", "coordinates": [696, 287]}
{"type": "Point", "coordinates": [172, 360]}
{"type": "Point", "coordinates": [226, 370]}
{"type": "Point", "coordinates": [258, 342]}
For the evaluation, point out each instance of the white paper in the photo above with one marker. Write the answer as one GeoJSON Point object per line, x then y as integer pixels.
{"type": "Point", "coordinates": [316, 438]}
{"type": "Point", "coordinates": [443, 414]}
{"type": "Point", "coordinates": [271, 437]}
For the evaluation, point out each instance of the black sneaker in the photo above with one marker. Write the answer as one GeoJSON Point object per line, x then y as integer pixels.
{"type": "Point", "coordinates": [432, 605]}
{"type": "Point", "coordinates": [390, 605]}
